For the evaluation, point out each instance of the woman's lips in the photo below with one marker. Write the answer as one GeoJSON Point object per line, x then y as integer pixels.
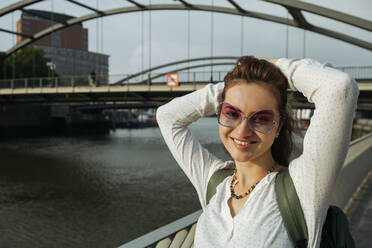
{"type": "Point", "coordinates": [243, 144]}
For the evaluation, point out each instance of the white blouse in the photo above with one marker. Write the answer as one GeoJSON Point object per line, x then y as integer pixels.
{"type": "Point", "coordinates": [259, 224]}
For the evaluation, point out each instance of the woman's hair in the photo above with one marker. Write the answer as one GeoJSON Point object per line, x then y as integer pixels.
{"type": "Point", "coordinates": [248, 70]}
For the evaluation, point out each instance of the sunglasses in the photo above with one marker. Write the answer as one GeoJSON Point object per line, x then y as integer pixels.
{"type": "Point", "coordinates": [261, 121]}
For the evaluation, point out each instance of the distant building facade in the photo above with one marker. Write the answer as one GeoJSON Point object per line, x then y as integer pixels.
{"type": "Point", "coordinates": [67, 48]}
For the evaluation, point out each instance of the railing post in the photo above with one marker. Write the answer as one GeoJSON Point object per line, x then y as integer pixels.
{"type": "Point", "coordinates": [26, 83]}
{"type": "Point", "coordinates": [194, 80]}
{"type": "Point", "coordinates": [41, 82]}
{"type": "Point", "coordinates": [148, 79]}
{"type": "Point", "coordinates": [72, 81]}
{"type": "Point", "coordinates": [55, 82]}
{"type": "Point", "coordinates": [12, 84]}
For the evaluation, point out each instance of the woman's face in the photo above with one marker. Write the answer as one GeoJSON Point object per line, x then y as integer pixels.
{"type": "Point", "coordinates": [249, 98]}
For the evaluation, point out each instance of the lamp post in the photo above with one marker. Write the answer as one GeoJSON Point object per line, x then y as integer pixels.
{"type": "Point", "coordinates": [2, 62]}
{"type": "Point", "coordinates": [52, 67]}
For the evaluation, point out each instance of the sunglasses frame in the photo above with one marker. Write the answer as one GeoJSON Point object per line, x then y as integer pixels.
{"type": "Point", "coordinates": [246, 117]}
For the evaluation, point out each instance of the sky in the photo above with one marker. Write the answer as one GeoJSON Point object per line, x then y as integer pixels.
{"type": "Point", "coordinates": [127, 39]}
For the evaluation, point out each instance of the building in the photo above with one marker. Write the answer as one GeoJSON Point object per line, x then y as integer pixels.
{"type": "Point", "coordinates": [67, 48]}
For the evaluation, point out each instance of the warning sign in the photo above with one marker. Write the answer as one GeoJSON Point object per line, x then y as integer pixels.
{"type": "Point", "coordinates": [172, 79]}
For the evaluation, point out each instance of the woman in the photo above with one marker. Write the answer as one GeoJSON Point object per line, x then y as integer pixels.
{"type": "Point", "coordinates": [255, 127]}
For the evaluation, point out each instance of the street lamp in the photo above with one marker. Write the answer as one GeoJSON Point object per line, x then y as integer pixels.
{"type": "Point", "coordinates": [52, 67]}
{"type": "Point", "coordinates": [2, 62]}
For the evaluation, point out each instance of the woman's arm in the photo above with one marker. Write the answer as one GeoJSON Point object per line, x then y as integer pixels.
{"type": "Point", "coordinates": [326, 141]}
{"type": "Point", "coordinates": [173, 119]}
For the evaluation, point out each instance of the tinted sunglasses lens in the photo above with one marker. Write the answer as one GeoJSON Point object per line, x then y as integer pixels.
{"type": "Point", "coordinates": [228, 115]}
{"type": "Point", "coordinates": [262, 121]}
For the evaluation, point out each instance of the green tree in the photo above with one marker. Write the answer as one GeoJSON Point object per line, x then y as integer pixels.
{"type": "Point", "coordinates": [28, 62]}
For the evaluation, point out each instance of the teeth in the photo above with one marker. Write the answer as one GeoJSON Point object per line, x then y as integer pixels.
{"type": "Point", "coordinates": [241, 142]}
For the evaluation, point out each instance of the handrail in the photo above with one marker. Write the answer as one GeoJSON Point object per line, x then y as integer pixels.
{"type": "Point", "coordinates": [357, 140]}
{"type": "Point", "coordinates": [163, 232]}
{"type": "Point", "coordinates": [361, 74]}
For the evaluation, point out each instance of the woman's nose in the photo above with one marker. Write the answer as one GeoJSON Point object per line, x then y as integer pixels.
{"type": "Point", "coordinates": [244, 129]}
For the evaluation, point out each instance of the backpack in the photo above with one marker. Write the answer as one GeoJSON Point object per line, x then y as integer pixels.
{"type": "Point", "coordinates": [335, 232]}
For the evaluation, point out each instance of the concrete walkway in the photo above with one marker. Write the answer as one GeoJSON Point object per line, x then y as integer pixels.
{"type": "Point", "coordinates": [361, 217]}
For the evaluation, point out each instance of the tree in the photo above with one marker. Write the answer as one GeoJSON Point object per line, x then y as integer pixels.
{"type": "Point", "coordinates": [28, 62]}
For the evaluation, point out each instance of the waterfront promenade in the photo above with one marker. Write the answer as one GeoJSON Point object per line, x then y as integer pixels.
{"type": "Point", "coordinates": [110, 186]}
{"type": "Point", "coordinates": [361, 216]}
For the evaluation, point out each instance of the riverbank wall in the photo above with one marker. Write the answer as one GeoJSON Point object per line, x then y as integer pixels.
{"type": "Point", "coordinates": [29, 120]}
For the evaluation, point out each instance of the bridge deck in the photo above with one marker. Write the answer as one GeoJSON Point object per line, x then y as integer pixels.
{"type": "Point", "coordinates": [361, 218]}
{"type": "Point", "coordinates": [136, 92]}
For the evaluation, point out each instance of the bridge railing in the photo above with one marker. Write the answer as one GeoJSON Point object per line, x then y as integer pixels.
{"type": "Point", "coordinates": [359, 73]}
{"type": "Point", "coordinates": [84, 80]}
{"type": "Point", "coordinates": [357, 166]}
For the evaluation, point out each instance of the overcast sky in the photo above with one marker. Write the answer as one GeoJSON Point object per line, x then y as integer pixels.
{"type": "Point", "coordinates": [120, 37]}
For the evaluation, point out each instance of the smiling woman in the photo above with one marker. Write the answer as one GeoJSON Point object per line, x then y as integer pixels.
{"type": "Point", "coordinates": [259, 85]}
{"type": "Point", "coordinates": [255, 127]}
{"type": "Point", "coordinates": [248, 130]}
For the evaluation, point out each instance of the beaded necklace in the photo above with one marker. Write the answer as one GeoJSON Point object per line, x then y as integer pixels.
{"type": "Point", "coordinates": [234, 182]}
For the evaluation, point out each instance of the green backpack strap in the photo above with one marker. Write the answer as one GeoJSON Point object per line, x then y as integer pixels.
{"type": "Point", "coordinates": [216, 179]}
{"type": "Point", "coordinates": [290, 209]}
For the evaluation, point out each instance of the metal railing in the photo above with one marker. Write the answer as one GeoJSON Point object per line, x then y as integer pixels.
{"type": "Point", "coordinates": [357, 72]}
{"type": "Point", "coordinates": [180, 233]}
{"type": "Point", "coordinates": [77, 81]}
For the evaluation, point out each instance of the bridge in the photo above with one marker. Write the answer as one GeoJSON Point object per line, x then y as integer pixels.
{"type": "Point", "coordinates": [149, 89]}
{"type": "Point", "coordinates": [148, 85]}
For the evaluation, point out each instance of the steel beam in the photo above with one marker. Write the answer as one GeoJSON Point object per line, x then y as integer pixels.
{"type": "Point", "coordinates": [85, 6]}
{"type": "Point", "coordinates": [16, 33]}
{"type": "Point", "coordinates": [189, 5]}
{"type": "Point", "coordinates": [17, 6]}
{"type": "Point", "coordinates": [137, 4]}
{"type": "Point", "coordinates": [325, 12]}
{"type": "Point", "coordinates": [217, 9]}
{"type": "Point", "coordinates": [299, 18]}
{"type": "Point", "coordinates": [190, 67]}
{"type": "Point", "coordinates": [172, 64]}
{"type": "Point", "coordinates": [237, 6]}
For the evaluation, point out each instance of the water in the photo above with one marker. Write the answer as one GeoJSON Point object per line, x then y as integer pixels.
{"type": "Point", "coordinates": [94, 191]}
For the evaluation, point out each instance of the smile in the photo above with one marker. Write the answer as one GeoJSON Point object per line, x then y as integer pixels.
{"type": "Point", "coordinates": [244, 143]}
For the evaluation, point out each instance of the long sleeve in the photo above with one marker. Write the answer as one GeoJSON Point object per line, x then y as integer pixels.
{"type": "Point", "coordinates": [173, 119]}
{"type": "Point", "coordinates": [326, 141]}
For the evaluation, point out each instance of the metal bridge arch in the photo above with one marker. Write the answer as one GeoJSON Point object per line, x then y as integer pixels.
{"type": "Point", "coordinates": [123, 80]}
{"type": "Point", "coordinates": [294, 8]}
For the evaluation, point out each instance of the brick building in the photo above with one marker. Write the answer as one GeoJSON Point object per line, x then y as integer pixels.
{"type": "Point", "coordinates": [67, 48]}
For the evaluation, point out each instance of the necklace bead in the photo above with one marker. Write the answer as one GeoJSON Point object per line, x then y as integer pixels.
{"type": "Point", "coordinates": [235, 181]}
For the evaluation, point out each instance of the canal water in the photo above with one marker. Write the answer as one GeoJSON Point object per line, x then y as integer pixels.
{"type": "Point", "coordinates": [92, 191]}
